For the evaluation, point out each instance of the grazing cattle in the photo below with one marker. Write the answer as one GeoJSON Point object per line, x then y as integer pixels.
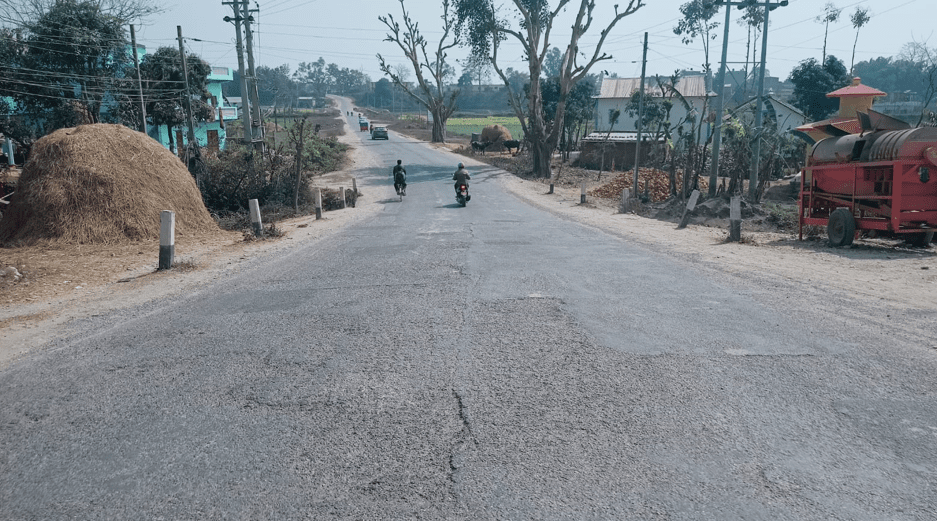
{"type": "Point", "coordinates": [512, 143]}
{"type": "Point", "coordinates": [480, 147]}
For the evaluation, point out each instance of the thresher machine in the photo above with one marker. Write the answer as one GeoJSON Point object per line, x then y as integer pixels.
{"type": "Point", "coordinates": [880, 181]}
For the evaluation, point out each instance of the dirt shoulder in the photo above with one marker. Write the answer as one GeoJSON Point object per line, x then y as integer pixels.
{"type": "Point", "coordinates": [64, 283]}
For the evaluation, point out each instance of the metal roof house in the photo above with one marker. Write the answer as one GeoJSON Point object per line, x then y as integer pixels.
{"type": "Point", "coordinates": [615, 94]}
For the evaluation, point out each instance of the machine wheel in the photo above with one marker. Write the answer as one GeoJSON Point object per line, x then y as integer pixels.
{"type": "Point", "coordinates": [920, 240]}
{"type": "Point", "coordinates": [841, 227]}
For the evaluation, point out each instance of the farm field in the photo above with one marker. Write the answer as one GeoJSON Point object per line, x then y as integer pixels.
{"type": "Point", "coordinates": [466, 126]}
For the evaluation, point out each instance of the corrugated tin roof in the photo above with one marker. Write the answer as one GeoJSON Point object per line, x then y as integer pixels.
{"type": "Point", "coordinates": [617, 137]}
{"type": "Point", "coordinates": [689, 87]}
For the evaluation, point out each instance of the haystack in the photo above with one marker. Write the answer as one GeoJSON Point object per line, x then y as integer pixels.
{"type": "Point", "coordinates": [101, 184]}
{"type": "Point", "coordinates": [496, 135]}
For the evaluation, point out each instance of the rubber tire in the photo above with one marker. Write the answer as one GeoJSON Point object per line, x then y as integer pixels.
{"type": "Point", "coordinates": [841, 228]}
{"type": "Point", "coordinates": [919, 240]}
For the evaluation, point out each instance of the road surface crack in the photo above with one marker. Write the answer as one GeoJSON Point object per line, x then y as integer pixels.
{"type": "Point", "coordinates": [461, 438]}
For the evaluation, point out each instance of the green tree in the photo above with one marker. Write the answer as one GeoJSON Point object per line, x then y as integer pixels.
{"type": "Point", "coordinates": [812, 82]}
{"type": "Point", "coordinates": [830, 15]}
{"type": "Point", "coordinates": [164, 88]}
{"type": "Point", "coordinates": [315, 75]}
{"type": "Point", "coordinates": [429, 90]}
{"type": "Point", "coordinates": [383, 93]}
{"type": "Point", "coordinates": [62, 67]}
{"type": "Point", "coordinates": [275, 87]}
{"type": "Point", "coordinates": [859, 18]}
{"type": "Point", "coordinates": [696, 23]}
{"type": "Point", "coordinates": [531, 25]}
{"type": "Point", "coordinates": [552, 63]}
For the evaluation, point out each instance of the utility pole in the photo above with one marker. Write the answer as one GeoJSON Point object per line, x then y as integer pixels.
{"type": "Point", "coordinates": [136, 65]}
{"type": "Point", "coordinates": [720, 104]}
{"type": "Point", "coordinates": [759, 116]}
{"type": "Point", "coordinates": [245, 104]}
{"type": "Point", "coordinates": [188, 98]}
{"type": "Point", "coordinates": [637, 143]}
{"type": "Point", "coordinates": [257, 129]}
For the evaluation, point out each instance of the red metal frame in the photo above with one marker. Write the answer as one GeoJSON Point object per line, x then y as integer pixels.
{"type": "Point", "coordinates": [886, 196]}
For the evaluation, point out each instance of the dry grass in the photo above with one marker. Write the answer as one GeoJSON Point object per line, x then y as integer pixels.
{"type": "Point", "coordinates": [101, 184]}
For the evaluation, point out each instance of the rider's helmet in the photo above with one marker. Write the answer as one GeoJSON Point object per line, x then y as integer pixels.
{"type": "Point", "coordinates": [461, 166]}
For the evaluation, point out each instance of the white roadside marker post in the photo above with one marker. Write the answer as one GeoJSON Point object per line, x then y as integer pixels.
{"type": "Point", "coordinates": [354, 191]}
{"type": "Point", "coordinates": [167, 238]}
{"type": "Point", "coordinates": [690, 205]}
{"type": "Point", "coordinates": [735, 219]}
{"type": "Point", "coordinates": [256, 223]}
{"type": "Point", "coordinates": [582, 194]}
{"type": "Point", "coordinates": [342, 190]}
{"type": "Point", "coordinates": [318, 203]}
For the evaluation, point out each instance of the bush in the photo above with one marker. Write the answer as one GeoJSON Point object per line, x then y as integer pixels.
{"type": "Point", "coordinates": [238, 174]}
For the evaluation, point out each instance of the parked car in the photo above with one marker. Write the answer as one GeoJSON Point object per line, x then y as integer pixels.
{"type": "Point", "coordinates": [379, 133]}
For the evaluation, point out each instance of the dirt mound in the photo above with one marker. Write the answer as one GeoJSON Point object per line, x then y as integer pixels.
{"type": "Point", "coordinates": [656, 181]}
{"type": "Point", "coordinates": [101, 184]}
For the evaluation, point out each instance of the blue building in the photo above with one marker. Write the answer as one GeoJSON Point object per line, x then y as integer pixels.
{"type": "Point", "coordinates": [212, 134]}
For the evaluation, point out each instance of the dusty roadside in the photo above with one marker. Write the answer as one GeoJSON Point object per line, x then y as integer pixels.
{"type": "Point", "coordinates": [877, 272]}
{"type": "Point", "coordinates": [67, 283]}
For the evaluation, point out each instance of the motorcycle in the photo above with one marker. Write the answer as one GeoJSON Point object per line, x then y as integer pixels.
{"type": "Point", "coordinates": [462, 196]}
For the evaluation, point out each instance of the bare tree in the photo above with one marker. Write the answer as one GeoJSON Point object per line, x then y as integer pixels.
{"type": "Point", "coordinates": [859, 18]}
{"type": "Point", "coordinates": [925, 58]}
{"type": "Point", "coordinates": [533, 24]}
{"type": "Point", "coordinates": [431, 91]}
{"type": "Point", "coordinates": [752, 20]}
{"type": "Point", "coordinates": [830, 14]}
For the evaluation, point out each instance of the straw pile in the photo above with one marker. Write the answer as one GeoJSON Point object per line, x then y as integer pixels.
{"type": "Point", "coordinates": [496, 135]}
{"type": "Point", "coordinates": [101, 184]}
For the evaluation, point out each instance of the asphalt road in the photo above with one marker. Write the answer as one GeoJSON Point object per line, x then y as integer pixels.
{"type": "Point", "coordinates": [486, 362]}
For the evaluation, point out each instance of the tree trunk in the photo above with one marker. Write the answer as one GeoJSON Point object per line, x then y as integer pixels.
{"type": "Point", "coordinates": [439, 126]}
{"type": "Point", "coordinates": [541, 154]}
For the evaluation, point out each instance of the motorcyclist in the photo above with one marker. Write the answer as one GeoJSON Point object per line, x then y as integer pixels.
{"type": "Point", "coordinates": [400, 178]}
{"type": "Point", "coordinates": [461, 177]}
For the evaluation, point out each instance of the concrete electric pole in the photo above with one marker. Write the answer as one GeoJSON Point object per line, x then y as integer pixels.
{"type": "Point", "coordinates": [239, 46]}
{"type": "Point", "coordinates": [720, 104]}
{"type": "Point", "coordinates": [257, 129]}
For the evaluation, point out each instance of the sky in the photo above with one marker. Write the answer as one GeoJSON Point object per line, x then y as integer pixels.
{"type": "Point", "coordinates": [349, 34]}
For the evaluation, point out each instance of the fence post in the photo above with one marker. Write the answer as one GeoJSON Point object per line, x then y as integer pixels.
{"type": "Point", "coordinates": [256, 223]}
{"type": "Point", "coordinates": [318, 203]}
{"type": "Point", "coordinates": [354, 191]}
{"type": "Point", "coordinates": [167, 239]}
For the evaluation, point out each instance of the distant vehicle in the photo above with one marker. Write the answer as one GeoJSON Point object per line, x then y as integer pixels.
{"type": "Point", "coordinates": [363, 124]}
{"type": "Point", "coordinates": [379, 133]}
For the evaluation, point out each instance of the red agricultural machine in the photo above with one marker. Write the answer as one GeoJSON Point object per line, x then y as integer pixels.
{"type": "Point", "coordinates": [883, 182]}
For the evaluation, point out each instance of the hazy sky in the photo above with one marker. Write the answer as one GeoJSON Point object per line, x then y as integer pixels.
{"type": "Point", "coordinates": [348, 33]}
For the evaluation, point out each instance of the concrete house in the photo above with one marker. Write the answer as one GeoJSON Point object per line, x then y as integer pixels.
{"type": "Point", "coordinates": [211, 134]}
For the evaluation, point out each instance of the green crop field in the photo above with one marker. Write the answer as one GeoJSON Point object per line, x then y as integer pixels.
{"type": "Point", "coordinates": [467, 126]}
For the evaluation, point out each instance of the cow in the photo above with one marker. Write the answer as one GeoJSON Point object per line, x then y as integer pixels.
{"type": "Point", "coordinates": [512, 143]}
{"type": "Point", "coordinates": [476, 146]}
